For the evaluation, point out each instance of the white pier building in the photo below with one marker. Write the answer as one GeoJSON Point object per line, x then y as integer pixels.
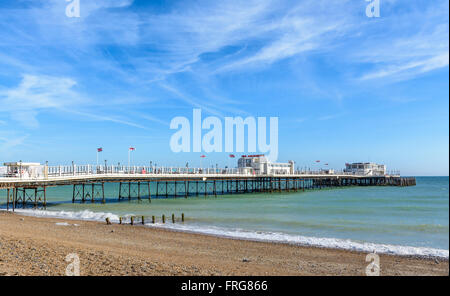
{"type": "Point", "coordinates": [365, 169]}
{"type": "Point", "coordinates": [260, 165]}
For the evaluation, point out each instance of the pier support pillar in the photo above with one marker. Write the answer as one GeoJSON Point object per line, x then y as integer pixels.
{"type": "Point", "coordinates": [7, 199]}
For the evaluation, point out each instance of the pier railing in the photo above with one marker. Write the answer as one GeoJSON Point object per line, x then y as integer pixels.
{"type": "Point", "coordinates": [45, 172]}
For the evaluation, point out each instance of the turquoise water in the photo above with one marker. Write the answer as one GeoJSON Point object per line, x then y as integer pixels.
{"type": "Point", "coordinates": [415, 216]}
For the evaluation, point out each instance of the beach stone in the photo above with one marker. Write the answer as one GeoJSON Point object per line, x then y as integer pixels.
{"type": "Point", "coordinates": [245, 260]}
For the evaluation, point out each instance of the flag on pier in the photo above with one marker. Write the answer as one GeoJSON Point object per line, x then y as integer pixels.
{"type": "Point", "coordinates": [100, 149]}
{"type": "Point", "coordinates": [232, 156]}
{"type": "Point", "coordinates": [317, 160]}
{"type": "Point", "coordinates": [132, 148]}
{"type": "Point", "coordinates": [203, 156]}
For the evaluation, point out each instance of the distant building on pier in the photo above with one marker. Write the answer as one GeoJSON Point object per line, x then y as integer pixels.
{"type": "Point", "coordinates": [365, 168]}
{"type": "Point", "coordinates": [260, 165]}
{"type": "Point", "coordinates": [24, 170]}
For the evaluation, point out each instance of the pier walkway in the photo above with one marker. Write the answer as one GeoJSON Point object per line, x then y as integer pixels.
{"type": "Point", "coordinates": [29, 187]}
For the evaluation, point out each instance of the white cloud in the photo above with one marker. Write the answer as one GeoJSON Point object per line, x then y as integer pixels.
{"type": "Point", "coordinates": [35, 94]}
{"type": "Point", "coordinates": [409, 69]}
{"type": "Point", "coordinates": [412, 44]}
{"type": "Point", "coordinates": [9, 142]}
{"type": "Point", "coordinates": [39, 92]}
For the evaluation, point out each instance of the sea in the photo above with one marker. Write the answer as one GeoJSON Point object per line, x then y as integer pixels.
{"type": "Point", "coordinates": [394, 220]}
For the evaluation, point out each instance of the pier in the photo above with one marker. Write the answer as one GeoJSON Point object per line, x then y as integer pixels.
{"type": "Point", "coordinates": [145, 183]}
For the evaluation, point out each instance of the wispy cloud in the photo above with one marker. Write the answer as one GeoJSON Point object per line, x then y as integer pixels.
{"type": "Point", "coordinates": [188, 99]}
{"type": "Point", "coordinates": [331, 116]}
{"type": "Point", "coordinates": [191, 52]}
{"type": "Point", "coordinates": [35, 94]}
{"type": "Point", "coordinates": [7, 143]}
{"type": "Point", "coordinates": [417, 44]}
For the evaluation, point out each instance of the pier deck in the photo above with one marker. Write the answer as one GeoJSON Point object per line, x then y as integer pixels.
{"type": "Point", "coordinates": [88, 186]}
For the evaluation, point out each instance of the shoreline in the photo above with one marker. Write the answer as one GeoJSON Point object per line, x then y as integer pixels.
{"type": "Point", "coordinates": [295, 240]}
{"type": "Point", "coordinates": [38, 246]}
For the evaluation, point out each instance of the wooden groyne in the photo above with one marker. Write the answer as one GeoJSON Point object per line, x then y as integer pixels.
{"type": "Point", "coordinates": [131, 220]}
{"type": "Point", "coordinates": [91, 188]}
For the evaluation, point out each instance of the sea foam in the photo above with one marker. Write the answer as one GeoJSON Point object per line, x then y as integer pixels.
{"type": "Point", "coordinates": [276, 237]}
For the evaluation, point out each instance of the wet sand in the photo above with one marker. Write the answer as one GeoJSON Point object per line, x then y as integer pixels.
{"type": "Point", "coordinates": [38, 246]}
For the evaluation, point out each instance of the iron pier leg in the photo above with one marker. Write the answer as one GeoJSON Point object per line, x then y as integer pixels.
{"type": "Point", "coordinates": [7, 199]}
{"type": "Point", "coordinates": [197, 188]}
{"type": "Point", "coordinates": [35, 197]}
{"type": "Point", "coordinates": [93, 193]}
{"type": "Point", "coordinates": [83, 194]}
{"type": "Point", "coordinates": [149, 194]}
{"type": "Point", "coordinates": [45, 197]}
{"type": "Point", "coordinates": [103, 192]}
{"type": "Point", "coordinates": [139, 191]}
{"type": "Point", "coordinates": [14, 198]}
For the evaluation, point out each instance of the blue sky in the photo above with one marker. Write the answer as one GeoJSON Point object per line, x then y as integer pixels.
{"type": "Point", "coordinates": [344, 86]}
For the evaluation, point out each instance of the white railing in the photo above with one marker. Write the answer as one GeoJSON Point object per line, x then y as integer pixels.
{"type": "Point", "coordinates": [43, 171]}
{"type": "Point", "coordinates": [143, 170]}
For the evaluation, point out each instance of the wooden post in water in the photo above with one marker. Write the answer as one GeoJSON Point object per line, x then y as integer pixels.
{"type": "Point", "coordinates": [120, 220]}
{"type": "Point", "coordinates": [173, 218]}
{"type": "Point", "coordinates": [132, 220]}
{"type": "Point", "coordinates": [163, 218]}
{"type": "Point", "coordinates": [143, 222]}
{"type": "Point", "coordinates": [182, 217]}
{"type": "Point", "coordinates": [153, 219]}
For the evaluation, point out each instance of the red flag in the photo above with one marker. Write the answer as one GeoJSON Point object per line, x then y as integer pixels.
{"type": "Point", "coordinates": [203, 156]}
{"type": "Point", "coordinates": [132, 148]}
{"type": "Point", "coordinates": [232, 156]}
{"type": "Point", "coordinates": [317, 160]}
{"type": "Point", "coordinates": [99, 149]}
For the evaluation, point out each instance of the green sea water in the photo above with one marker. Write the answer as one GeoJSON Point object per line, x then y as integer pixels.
{"type": "Point", "coordinates": [416, 216]}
